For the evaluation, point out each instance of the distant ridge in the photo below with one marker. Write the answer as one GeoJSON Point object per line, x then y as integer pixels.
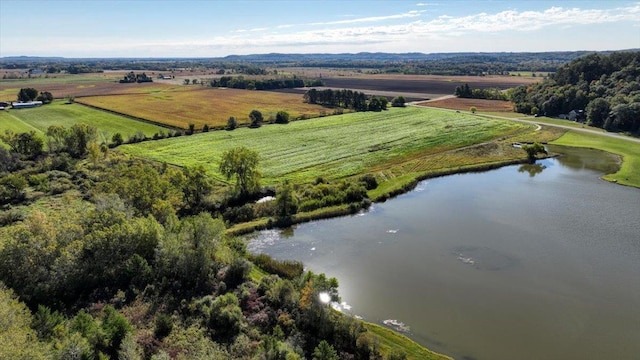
{"type": "Point", "coordinates": [361, 56]}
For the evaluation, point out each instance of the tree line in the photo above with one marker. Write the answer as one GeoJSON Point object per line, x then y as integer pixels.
{"type": "Point", "coordinates": [606, 87]}
{"type": "Point", "coordinates": [239, 82]}
{"type": "Point", "coordinates": [465, 91]}
{"type": "Point", "coordinates": [349, 99]}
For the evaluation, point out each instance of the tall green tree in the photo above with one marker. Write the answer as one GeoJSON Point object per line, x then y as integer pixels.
{"type": "Point", "coordinates": [241, 164]}
{"type": "Point", "coordinates": [286, 202]}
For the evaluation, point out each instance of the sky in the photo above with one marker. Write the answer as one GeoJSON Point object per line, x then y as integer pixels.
{"type": "Point", "coordinates": [208, 28]}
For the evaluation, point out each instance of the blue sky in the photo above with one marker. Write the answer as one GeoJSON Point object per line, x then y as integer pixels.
{"type": "Point", "coordinates": [140, 28]}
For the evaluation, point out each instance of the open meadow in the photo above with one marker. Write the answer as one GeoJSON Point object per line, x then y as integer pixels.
{"type": "Point", "coordinates": [180, 106]}
{"type": "Point", "coordinates": [340, 146]}
{"type": "Point", "coordinates": [59, 113]}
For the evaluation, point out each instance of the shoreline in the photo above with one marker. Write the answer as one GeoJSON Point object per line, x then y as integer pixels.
{"type": "Point", "coordinates": [354, 208]}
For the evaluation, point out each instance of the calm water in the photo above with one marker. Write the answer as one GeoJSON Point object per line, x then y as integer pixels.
{"type": "Point", "coordinates": [533, 262]}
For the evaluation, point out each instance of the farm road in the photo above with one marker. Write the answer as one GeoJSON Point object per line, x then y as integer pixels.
{"type": "Point", "coordinates": [538, 123]}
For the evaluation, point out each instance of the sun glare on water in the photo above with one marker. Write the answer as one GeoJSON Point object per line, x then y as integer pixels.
{"type": "Point", "coordinates": [325, 298]}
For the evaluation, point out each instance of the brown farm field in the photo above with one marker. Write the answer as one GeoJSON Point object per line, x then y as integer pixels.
{"type": "Point", "coordinates": [62, 86]}
{"type": "Point", "coordinates": [425, 84]}
{"type": "Point", "coordinates": [466, 104]}
{"type": "Point", "coordinates": [180, 106]}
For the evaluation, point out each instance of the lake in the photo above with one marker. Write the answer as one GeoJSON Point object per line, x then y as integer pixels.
{"type": "Point", "coordinates": [523, 262]}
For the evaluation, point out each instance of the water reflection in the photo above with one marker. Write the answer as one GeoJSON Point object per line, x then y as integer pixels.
{"type": "Point", "coordinates": [532, 169]}
{"type": "Point", "coordinates": [583, 158]}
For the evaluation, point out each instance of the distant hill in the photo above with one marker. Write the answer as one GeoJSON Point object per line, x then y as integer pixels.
{"type": "Point", "coordinates": [460, 63]}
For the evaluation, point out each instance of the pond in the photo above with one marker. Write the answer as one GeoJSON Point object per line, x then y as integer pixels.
{"type": "Point", "coordinates": [524, 262]}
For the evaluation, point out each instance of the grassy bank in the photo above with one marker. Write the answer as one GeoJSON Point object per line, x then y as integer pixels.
{"type": "Point", "coordinates": [59, 113]}
{"type": "Point", "coordinates": [629, 173]}
{"type": "Point", "coordinates": [390, 340]}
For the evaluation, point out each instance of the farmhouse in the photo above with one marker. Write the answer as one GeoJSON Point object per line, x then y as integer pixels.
{"type": "Point", "coordinates": [25, 105]}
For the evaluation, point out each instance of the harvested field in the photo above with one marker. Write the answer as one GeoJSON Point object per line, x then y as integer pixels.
{"type": "Point", "coordinates": [425, 84]}
{"type": "Point", "coordinates": [180, 106]}
{"type": "Point", "coordinates": [64, 86]}
{"type": "Point", "coordinates": [466, 104]}
{"type": "Point", "coordinates": [340, 146]}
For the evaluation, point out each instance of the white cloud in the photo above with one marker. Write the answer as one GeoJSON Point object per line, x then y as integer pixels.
{"type": "Point", "coordinates": [408, 14]}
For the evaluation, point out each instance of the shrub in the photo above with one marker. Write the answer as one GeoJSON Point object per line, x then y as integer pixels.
{"type": "Point", "coordinates": [369, 181]}
{"type": "Point", "coordinates": [117, 139]}
{"type": "Point", "coordinates": [398, 102]}
{"type": "Point", "coordinates": [40, 182]}
{"type": "Point", "coordinates": [232, 123]}
{"type": "Point", "coordinates": [240, 214]}
{"type": "Point", "coordinates": [12, 188]}
{"type": "Point", "coordinates": [282, 117]}
{"type": "Point", "coordinates": [10, 216]}
{"type": "Point", "coordinates": [284, 268]}
{"type": "Point", "coordinates": [163, 326]}
{"type": "Point", "coordinates": [256, 118]}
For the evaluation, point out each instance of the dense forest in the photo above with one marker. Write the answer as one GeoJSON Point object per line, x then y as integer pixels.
{"type": "Point", "coordinates": [605, 87]}
{"type": "Point", "coordinates": [105, 257]}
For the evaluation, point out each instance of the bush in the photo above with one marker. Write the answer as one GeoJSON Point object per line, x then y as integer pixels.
{"type": "Point", "coordinates": [12, 188]}
{"type": "Point", "coordinates": [163, 326]}
{"type": "Point", "coordinates": [369, 181]}
{"type": "Point", "coordinates": [240, 214]}
{"type": "Point", "coordinates": [232, 123]}
{"type": "Point", "coordinates": [282, 117]}
{"type": "Point", "coordinates": [10, 216]}
{"type": "Point", "coordinates": [256, 118]}
{"type": "Point", "coordinates": [284, 268]}
{"type": "Point", "coordinates": [40, 182]}
{"type": "Point", "coordinates": [398, 102]}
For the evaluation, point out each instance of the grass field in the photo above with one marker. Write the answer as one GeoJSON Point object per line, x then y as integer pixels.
{"type": "Point", "coordinates": [629, 173]}
{"type": "Point", "coordinates": [336, 146]}
{"type": "Point", "coordinates": [180, 106]}
{"type": "Point", "coordinates": [59, 113]}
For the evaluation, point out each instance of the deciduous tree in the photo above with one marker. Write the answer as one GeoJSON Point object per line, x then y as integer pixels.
{"type": "Point", "coordinates": [241, 164]}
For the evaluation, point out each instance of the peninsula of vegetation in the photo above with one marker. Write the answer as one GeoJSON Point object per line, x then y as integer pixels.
{"type": "Point", "coordinates": [122, 193]}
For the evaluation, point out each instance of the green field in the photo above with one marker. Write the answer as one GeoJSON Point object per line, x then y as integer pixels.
{"type": "Point", "coordinates": [333, 147]}
{"type": "Point", "coordinates": [58, 113]}
{"type": "Point", "coordinates": [629, 173]}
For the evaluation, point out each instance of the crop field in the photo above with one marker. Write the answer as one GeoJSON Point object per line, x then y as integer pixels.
{"type": "Point", "coordinates": [466, 104]}
{"type": "Point", "coordinates": [76, 87]}
{"type": "Point", "coordinates": [336, 146]}
{"type": "Point", "coordinates": [59, 113]}
{"type": "Point", "coordinates": [180, 106]}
